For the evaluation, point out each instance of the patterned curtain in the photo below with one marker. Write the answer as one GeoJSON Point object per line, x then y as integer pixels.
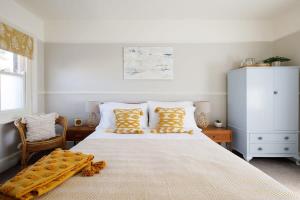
{"type": "Point", "coordinates": [15, 41]}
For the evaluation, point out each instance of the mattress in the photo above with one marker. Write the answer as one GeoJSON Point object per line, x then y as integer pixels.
{"type": "Point", "coordinates": [167, 167]}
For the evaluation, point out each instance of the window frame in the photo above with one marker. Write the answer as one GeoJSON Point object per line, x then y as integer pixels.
{"type": "Point", "coordinates": [10, 115]}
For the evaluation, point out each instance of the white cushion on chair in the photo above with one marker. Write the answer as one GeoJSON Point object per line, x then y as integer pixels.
{"type": "Point", "coordinates": [40, 127]}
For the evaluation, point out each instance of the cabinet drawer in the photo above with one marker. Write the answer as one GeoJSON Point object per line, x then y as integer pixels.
{"type": "Point", "coordinates": [273, 138]}
{"type": "Point", "coordinates": [273, 148]}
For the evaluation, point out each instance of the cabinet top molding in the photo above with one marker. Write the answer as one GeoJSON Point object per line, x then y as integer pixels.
{"type": "Point", "coordinates": [258, 67]}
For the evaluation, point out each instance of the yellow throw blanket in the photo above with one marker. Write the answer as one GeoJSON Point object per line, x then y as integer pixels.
{"type": "Point", "coordinates": [49, 172]}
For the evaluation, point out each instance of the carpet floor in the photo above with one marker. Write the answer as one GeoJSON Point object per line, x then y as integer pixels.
{"type": "Point", "coordinates": [283, 170]}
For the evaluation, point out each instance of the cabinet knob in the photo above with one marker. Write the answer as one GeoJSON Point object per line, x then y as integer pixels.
{"type": "Point", "coordinates": [286, 148]}
{"type": "Point", "coordinates": [286, 137]}
{"type": "Point", "coordinates": [259, 149]}
{"type": "Point", "coordinates": [275, 92]}
{"type": "Point", "coordinates": [259, 138]}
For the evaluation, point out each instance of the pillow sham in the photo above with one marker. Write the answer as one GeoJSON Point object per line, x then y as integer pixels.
{"type": "Point", "coordinates": [189, 121]}
{"type": "Point", "coordinates": [128, 121]}
{"type": "Point", "coordinates": [107, 116]}
{"type": "Point", "coordinates": [171, 120]}
{"type": "Point", "coordinates": [40, 127]}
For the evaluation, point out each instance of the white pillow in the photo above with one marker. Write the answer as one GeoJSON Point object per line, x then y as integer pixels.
{"type": "Point", "coordinates": [187, 105]}
{"type": "Point", "coordinates": [107, 116]}
{"type": "Point", "coordinates": [189, 120]}
{"type": "Point", "coordinates": [40, 127]}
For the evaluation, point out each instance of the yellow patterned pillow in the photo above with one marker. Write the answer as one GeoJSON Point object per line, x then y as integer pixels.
{"type": "Point", "coordinates": [171, 120]}
{"type": "Point", "coordinates": [128, 121]}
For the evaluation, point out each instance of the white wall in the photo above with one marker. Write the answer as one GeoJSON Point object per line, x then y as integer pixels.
{"type": "Point", "coordinates": [158, 31]}
{"type": "Point", "coordinates": [18, 17]}
{"type": "Point", "coordinates": [204, 51]}
{"type": "Point", "coordinates": [39, 80]}
{"type": "Point", "coordinates": [76, 73]}
{"type": "Point", "coordinates": [287, 23]}
{"type": "Point", "coordinates": [9, 139]}
{"type": "Point", "coordinates": [289, 46]}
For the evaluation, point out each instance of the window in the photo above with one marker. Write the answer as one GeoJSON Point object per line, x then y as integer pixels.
{"type": "Point", "coordinates": [12, 81]}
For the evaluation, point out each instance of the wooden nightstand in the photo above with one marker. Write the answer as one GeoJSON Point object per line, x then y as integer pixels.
{"type": "Point", "coordinates": [78, 133]}
{"type": "Point", "coordinates": [219, 135]}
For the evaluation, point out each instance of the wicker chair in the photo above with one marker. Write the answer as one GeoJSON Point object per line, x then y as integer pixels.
{"type": "Point", "coordinates": [28, 148]}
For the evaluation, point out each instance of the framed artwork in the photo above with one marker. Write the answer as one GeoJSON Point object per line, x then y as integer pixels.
{"type": "Point", "coordinates": [148, 63]}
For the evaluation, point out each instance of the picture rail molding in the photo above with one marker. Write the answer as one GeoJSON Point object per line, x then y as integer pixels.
{"type": "Point", "coordinates": [130, 93]}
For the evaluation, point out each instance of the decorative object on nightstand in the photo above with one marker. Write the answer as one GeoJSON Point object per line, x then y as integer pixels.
{"type": "Point", "coordinates": [77, 122]}
{"type": "Point", "coordinates": [78, 133]}
{"type": "Point", "coordinates": [218, 123]}
{"type": "Point", "coordinates": [92, 108]}
{"type": "Point", "coordinates": [203, 108]}
{"type": "Point", "coordinates": [219, 135]}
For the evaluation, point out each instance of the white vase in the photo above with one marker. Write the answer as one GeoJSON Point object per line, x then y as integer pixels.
{"type": "Point", "coordinates": [203, 120]}
{"type": "Point", "coordinates": [92, 120]}
{"type": "Point", "coordinates": [218, 124]}
{"type": "Point", "coordinates": [276, 63]}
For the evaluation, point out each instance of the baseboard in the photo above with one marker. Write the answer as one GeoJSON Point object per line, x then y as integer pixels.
{"type": "Point", "coordinates": [9, 161]}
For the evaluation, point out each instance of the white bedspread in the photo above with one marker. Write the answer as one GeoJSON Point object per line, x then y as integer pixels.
{"type": "Point", "coordinates": [167, 167]}
{"type": "Point", "coordinates": [105, 134]}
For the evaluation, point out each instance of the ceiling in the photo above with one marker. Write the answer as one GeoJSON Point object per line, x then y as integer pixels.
{"type": "Point", "coordinates": [158, 9]}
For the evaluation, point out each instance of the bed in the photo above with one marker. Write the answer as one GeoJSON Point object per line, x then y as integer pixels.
{"type": "Point", "coordinates": [167, 167]}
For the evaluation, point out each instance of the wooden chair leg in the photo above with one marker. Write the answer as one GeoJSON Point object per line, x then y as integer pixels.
{"type": "Point", "coordinates": [63, 145]}
{"type": "Point", "coordinates": [24, 159]}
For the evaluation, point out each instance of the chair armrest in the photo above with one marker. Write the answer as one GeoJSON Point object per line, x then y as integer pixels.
{"type": "Point", "coordinates": [22, 130]}
{"type": "Point", "coordinates": [62, 121]}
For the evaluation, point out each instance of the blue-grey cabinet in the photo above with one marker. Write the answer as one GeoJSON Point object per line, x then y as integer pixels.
{"type": "Point", "coordinates": [263, 111]}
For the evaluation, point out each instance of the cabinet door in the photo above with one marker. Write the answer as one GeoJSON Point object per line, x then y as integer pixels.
{"type": "Point", "coordinates": [286, 98]}
{"type": "Point", "coordinates": [260, 103]}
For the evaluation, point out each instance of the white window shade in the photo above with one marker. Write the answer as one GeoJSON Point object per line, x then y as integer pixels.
{"type": "Point", "coordinates": [12, 89]}
{"type": "Point", "coordinates": [15, 86]}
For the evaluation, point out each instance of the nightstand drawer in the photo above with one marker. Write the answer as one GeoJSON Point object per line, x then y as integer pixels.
{"type": "Point", "coordinates": [273, 138]}
{"type": "Point", "coordinates": [220, 137]}
{"type": "Point", "coordinates": [79, 133]}
{"type": "Point", "coordinates": [77, 136]}
{"type": "Point", "coordinates": [273, 148]}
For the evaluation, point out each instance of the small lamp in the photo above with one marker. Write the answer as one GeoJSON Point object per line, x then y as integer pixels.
{"type": "Point", "coordinates": [91, 107]}
{"type": "Point", "coordinates": [203, 108]}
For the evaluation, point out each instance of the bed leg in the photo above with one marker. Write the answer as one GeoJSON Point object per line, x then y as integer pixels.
{"type": "Point", "coordinates": [228, 146]}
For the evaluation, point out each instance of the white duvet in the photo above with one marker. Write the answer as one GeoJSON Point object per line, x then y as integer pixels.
{"type": "Point", "coordinates": [107, 134]}
{"type": "Point", "coordinates": [167, 167]}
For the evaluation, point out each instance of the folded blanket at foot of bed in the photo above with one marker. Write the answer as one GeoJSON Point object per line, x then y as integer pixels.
{"type": "Point", "coordinates": [49, 172]}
